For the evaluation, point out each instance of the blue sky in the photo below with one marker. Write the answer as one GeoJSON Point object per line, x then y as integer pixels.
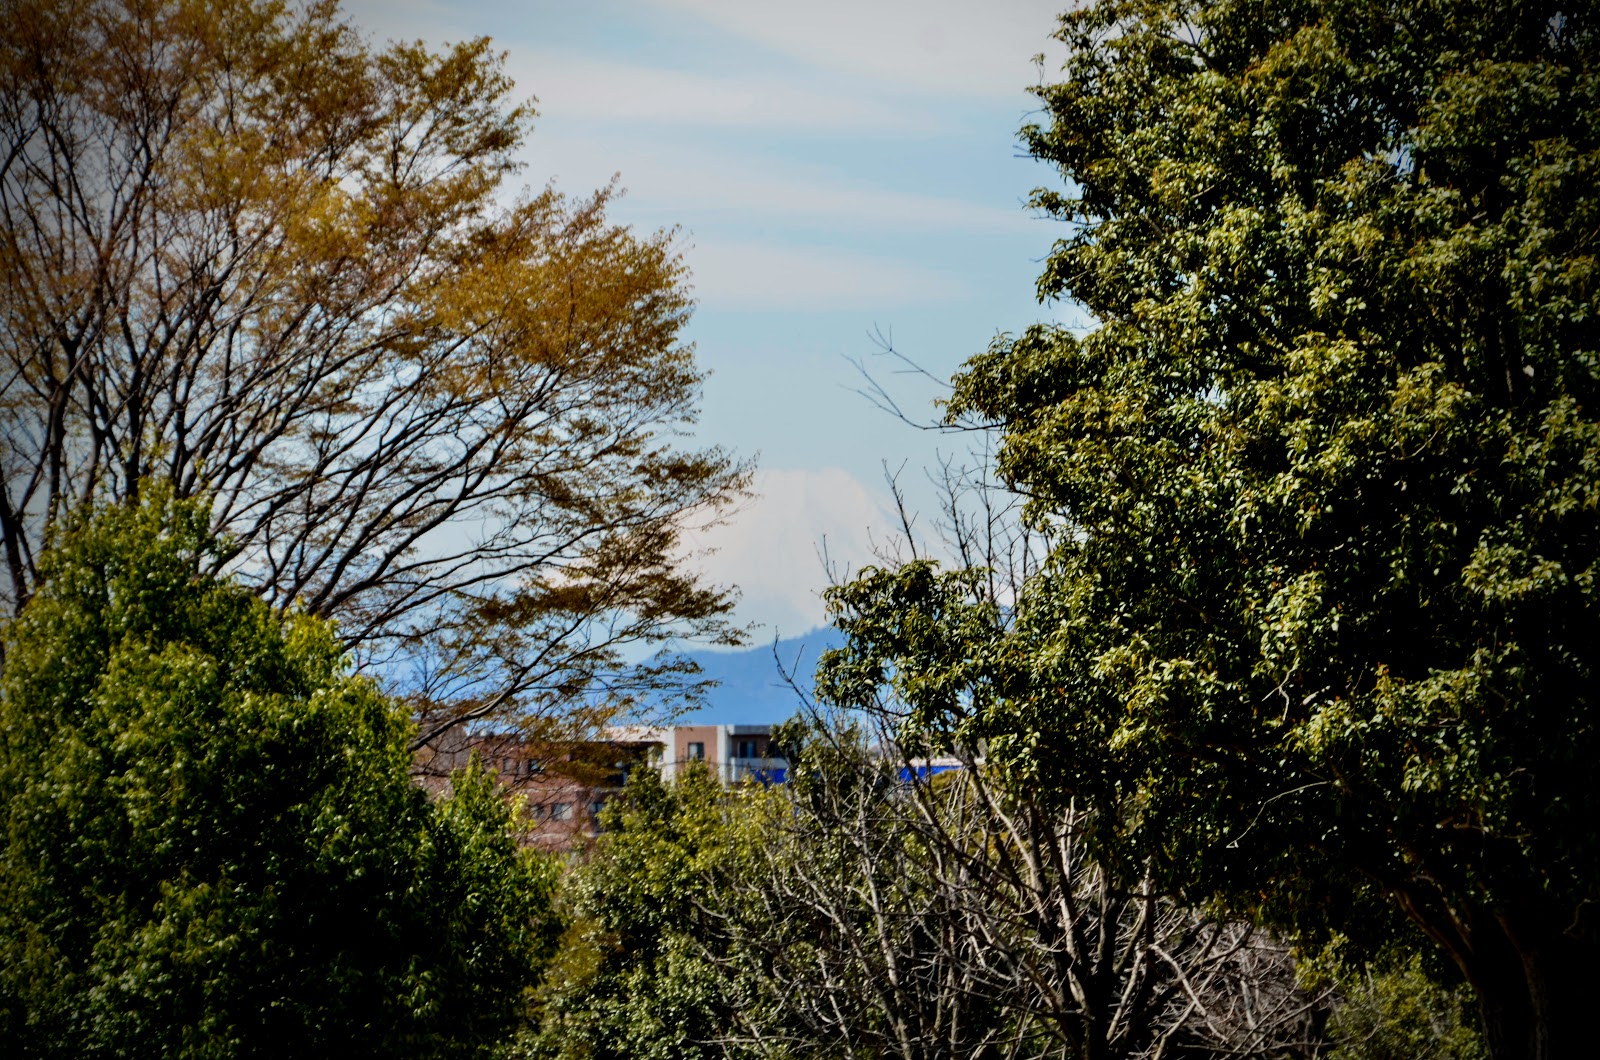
{"type": "Point", "coordinates": [834, 169]}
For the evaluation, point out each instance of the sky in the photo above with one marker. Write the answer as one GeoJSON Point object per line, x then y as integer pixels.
{"type": "Point", "coordinates": [837, 174]}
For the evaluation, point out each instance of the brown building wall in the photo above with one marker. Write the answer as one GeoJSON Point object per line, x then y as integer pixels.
{"type": "Point", "coordinates": [706, 735]}
{"type": "Point", "coordinates": [564, 787]}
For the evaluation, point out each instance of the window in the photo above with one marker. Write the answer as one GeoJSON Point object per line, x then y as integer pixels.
{"type": "Point", "coordinates": [535, 813]}
{"type": "Point", "coordinates": [697, 752]}
{"type": "Point", "coordinates": [747, 749]}
{"type": "Point", "coordinates": [561, 811]}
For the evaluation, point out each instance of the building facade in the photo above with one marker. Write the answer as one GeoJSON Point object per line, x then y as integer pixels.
{"type": "Point", "coordinates": [566, 785]}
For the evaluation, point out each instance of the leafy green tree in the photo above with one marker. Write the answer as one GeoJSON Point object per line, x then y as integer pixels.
{"type": "Point", "coordinates": [212, 846]}
{"type": "Point", "coordinates": [632, 979]}
{"type": "Point", "coordinates": [1401, 1013]}
{"type": "Point", "coordinates": [1317, 632]}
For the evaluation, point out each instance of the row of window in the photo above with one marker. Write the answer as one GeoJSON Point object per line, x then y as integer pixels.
{"type": "Point", "coordinates": [562, 811]}
{"type": "Point", "coordinates": [510, 766]}
{"type": "Point", "coordinates": [696, 752]}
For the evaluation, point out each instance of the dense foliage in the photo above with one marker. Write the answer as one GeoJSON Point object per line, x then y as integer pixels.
{"type": "Point", "coordinates": [1399, 1012]}
{"type": "Point", "coordinates": [212, 845]}
{"type": "Point", "coordinates": [1317, 633]}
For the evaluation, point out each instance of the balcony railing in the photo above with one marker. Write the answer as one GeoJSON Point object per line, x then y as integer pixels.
{"type": "Point", "coordinates": [762, 770]}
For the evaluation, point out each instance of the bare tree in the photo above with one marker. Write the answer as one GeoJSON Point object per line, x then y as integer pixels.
{"type": "Point", "coordinates": [839, 923]}
{"type": "Point", "coordinates": [902, 913]}
{"type": "Point", "coordinates": [246, 253]}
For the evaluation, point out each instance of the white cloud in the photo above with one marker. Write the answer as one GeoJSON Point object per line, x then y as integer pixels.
{"type": "Point", "coordinates": [747, 276]}
{"type": "Point", "coordinates": [949, 47]}
{"type": "Point", "coordinates": [771, 549]}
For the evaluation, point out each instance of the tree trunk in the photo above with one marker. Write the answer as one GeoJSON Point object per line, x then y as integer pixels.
{"type": "Point", "coordinates": [1536, 986]}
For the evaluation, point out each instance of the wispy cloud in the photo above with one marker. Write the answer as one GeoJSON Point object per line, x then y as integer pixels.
{"type": "Point", "coordinates": [696, 183]}
{"type": "Point", "coordinates": [948, 47]}
{"type": "Point", "coordinates": [601, 90]}
{"type": "Point", "coordinates": [764, 276]}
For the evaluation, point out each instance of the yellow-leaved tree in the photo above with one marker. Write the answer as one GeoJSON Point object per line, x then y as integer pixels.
{"type": "Point", "coordinates": [246, 251]}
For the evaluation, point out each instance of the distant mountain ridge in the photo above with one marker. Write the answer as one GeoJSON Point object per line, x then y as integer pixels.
{"type": "Point", "coordinates": [751, 689]}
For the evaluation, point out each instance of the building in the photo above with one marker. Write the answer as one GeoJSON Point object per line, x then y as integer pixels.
{"type": "Point", "coordinates": [567, 784]}
{"type": "Point", "coordinates": [733, 753]}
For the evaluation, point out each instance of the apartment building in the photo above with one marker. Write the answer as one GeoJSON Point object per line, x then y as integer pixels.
{"type": "Point", "coordinates": [566, 785]}
{"type": "Point", "coordinates": [733, 753]}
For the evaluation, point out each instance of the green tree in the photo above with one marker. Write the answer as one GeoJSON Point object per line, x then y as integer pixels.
{"type": "Point", "coordinates": [1317, 632]}
{"type": "Point", "coordinates": [632, 979]}
{"type": "Point", "coordinates": [212, 845]}
{"type": "Point", "coordinates": [1400, 1013]}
